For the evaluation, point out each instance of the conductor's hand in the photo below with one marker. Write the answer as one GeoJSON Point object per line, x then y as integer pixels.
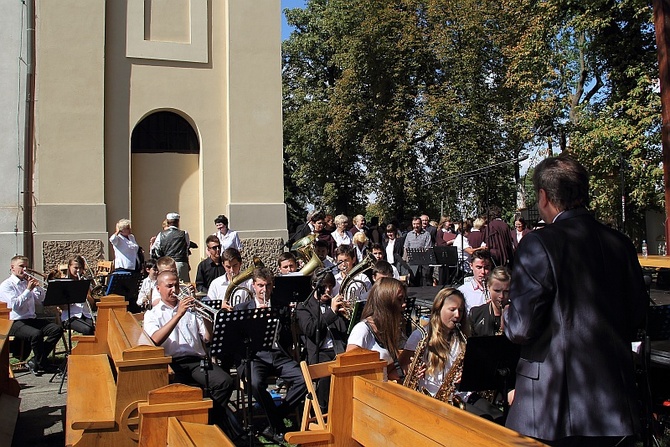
{"type": "Point", "coordinates": [184, 305]}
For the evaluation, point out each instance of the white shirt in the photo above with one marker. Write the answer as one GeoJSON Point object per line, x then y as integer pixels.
{"type": "Point", "coordinates": [362, 336]}
{"type": "Point", "coordinates": [229, 240]}
{"type": "Point", "coordinates": [390, 257]}
{"type": "Point", "coordinates": [433, 381]}
{"type": "Point", "coordinates": [19, 299]}
{"type": "Point", "coordinates": [185, 339]}
{"type": "Point", "coordinates": [148, 292]}
{"type": "Point", "coordinates": [473, 292]}
{"type": "Point", "coordinates": [217, 290]}
{"type": "Point", "coordinates": [461, 243]}
{"type": "Point", "coordinates": [359, 288]}
{"type": "Point", "coordinates": [76, 311]}
{"type": "Point", "coordinates": [125, 251]}
{"type": "Point", "coordinates": [345, 239]}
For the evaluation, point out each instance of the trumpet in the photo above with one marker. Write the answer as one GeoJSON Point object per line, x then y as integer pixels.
{"type": "Point", "coordinates": [30, 273]}
{"type": "Point", "coordinates": [200, 309]}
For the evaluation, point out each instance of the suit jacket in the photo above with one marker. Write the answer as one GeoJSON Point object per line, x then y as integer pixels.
{"type": "Point", "coordinates": [328, 323]}
{"type": "Point", "coordinates": [499, 242]}
{"type": "Point", "coordinates": [433, 233]}
{"type": "Point", "coordinates": [577, 298]}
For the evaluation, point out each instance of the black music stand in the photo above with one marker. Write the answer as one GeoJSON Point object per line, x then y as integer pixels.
{"type": "Point", "coordinates": [490, 364]}
{"type": "Point", "coordinates": [290, 289]}
{"type": "Point", "coordinates": [242, 333]}
{"type": "Point", "coordinates": [60, 292]}
{"type": "Point", "coordinates": [420, 256]}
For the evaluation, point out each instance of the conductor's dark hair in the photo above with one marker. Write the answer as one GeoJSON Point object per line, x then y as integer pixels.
{"type": "Point", "coordinates": [565, 181]}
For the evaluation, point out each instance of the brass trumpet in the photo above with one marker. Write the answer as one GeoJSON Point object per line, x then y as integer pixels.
{"type": "Point", "coordinates": [200, 309]}
{"type": "Point", "coordinates": [30, 273]}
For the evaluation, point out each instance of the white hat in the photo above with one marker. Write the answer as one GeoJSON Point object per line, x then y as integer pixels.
{"type": "Point", "coordinates": [172, 216]}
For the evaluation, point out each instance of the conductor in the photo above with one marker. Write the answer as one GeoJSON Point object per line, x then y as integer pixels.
{"type": "Point", "coordinates": [577, 299]}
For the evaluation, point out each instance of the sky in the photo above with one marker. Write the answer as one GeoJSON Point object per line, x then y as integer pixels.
{"type": "Point", "coordinates": [285, 29]}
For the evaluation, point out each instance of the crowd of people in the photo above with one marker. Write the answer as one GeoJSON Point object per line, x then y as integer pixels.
{"type": "Point", "coordinates": [542, 289]}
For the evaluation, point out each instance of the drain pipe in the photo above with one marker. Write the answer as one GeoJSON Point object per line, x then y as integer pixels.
{"type": "Point", "coordinates": [29, 137]}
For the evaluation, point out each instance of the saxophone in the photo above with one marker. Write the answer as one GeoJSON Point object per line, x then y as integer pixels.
{"type": "Point", "coordinates": [447, 391]}
{"type": "Point", "coordinates": [411, 378]}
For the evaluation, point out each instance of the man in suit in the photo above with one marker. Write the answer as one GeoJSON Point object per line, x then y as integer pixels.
{"type": "Point", "coordinates": [275, 362]}
{"type": "Point", "coordinates": [576, 301]}
{"type": "Point", "coordinates": [425, 224]}
{"type": "Point", "coordinates": [325, 329]}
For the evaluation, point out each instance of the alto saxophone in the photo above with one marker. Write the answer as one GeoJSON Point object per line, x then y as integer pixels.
{"type": "Point", "coordinates": [411, 378]}
{"type": "Point", "coordinates": [447, 391]}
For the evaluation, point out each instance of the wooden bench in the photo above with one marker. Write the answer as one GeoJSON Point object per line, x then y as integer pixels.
{"type": "Point", "coordinates": [176, 415]}
{"type": "Point", "coordinates": [9, 386]}
{"type": "Point", "coordinates": [364, 410]}
{"type": "Point", "coordinates": [109, 374]}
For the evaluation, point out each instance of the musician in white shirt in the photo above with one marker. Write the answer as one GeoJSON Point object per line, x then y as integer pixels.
{"type": "Point", "coordinates": [125, 247]}
{"type": "Point", "coordinates": [232, 263]}
{"type": "Point", "coordinates": [20, 292]}
{"type": "Point", "coordinates": [173, 325]}
{"type": "Point", "coordinates": [346, 260]}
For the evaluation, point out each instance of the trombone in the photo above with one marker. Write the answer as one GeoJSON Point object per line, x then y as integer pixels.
{"type": "Point", "coordinates": [30, 273]}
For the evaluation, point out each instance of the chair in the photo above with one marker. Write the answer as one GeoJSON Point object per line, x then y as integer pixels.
{"type": "Point", "coordinates": [103, 269]}
{"type": "Point", "coordinates": [317, 421]}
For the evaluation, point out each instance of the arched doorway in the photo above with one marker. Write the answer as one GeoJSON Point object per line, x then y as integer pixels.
{"type": "Point", "coordinates": [165, 177]}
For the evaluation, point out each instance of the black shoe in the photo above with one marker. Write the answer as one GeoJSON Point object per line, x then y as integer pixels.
{"type": "Point", "coordinates": [271, 434]}
{"type": "Point", "coordinates": [34, 368]}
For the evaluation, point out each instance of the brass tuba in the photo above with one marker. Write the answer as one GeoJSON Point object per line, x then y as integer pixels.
{"type": "Point", "coordinates": [240, 278]}
{"type": "Point", "coordinates": [304, 247]}
{"type": "Point", "coordinates": [346, 289]}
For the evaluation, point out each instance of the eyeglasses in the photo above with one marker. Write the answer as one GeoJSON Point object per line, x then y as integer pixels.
{"type": "Point", "coordinates": [215, 248]}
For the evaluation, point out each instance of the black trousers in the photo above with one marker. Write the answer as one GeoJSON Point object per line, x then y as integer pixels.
{"type": "Point", "coordinates": [41, 334]}
{"type": "Point", "coordinates": [221, 385]}
{"type": "Point", "coordinates": [83, 325]}
{"type": "Point", "coordinates": [276, 363]}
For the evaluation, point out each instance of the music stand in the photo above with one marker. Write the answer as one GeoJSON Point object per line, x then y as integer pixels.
{"type": "Point", "coordinates": [60, 292]}
{"type": "Point", "coordinates": [420, 256]}
{"type": "Point", "coordinates": [291, 289]}
{"type": "Point", "coordinates": [490, 364]}
{"type": "Point", "coordinates": [243, 333]}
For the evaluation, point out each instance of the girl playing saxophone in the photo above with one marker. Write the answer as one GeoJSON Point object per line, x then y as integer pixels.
{"type": "Point", "coordinates": [438, 349]}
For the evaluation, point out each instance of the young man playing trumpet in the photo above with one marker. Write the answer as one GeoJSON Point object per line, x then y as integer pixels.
{"type": "Point", "coordinates": [174, 325]}
{"type": "Point", "coordinates": [21, 291]}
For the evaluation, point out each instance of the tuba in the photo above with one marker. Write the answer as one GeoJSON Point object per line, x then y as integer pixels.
{"type": "Point", "coordinates": [240, 278]}
{"type": "Point", "coordinates": [346, 289]}
{"type": "Point", "coordinates": [305, 249]}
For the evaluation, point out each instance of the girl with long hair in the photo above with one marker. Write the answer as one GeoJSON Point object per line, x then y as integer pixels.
{"type": "Point", "coordinates": [445, 334]}
{"type": "Point", "coordinates": [380, 326]}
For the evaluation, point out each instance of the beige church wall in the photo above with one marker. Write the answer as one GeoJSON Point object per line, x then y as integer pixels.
{"type": "Point", "coordinates": [69, 164]}
{"type": "Point", "coordinates": [175, 189]}
{"type": "Point", "coordinates": [255, 122]}
{"type": "Point", "coordinates": [142, 79]}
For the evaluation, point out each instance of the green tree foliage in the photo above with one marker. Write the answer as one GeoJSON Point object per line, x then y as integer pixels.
{"type": "Point", "coordinates": [420, 104]}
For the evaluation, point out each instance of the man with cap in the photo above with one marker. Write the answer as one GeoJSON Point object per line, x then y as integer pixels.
{"type": "Point", "coordinates": [174, 243]}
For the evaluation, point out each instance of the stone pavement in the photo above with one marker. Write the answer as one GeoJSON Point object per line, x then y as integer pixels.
{"type": "Point", "coordinates": [42, 416]}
